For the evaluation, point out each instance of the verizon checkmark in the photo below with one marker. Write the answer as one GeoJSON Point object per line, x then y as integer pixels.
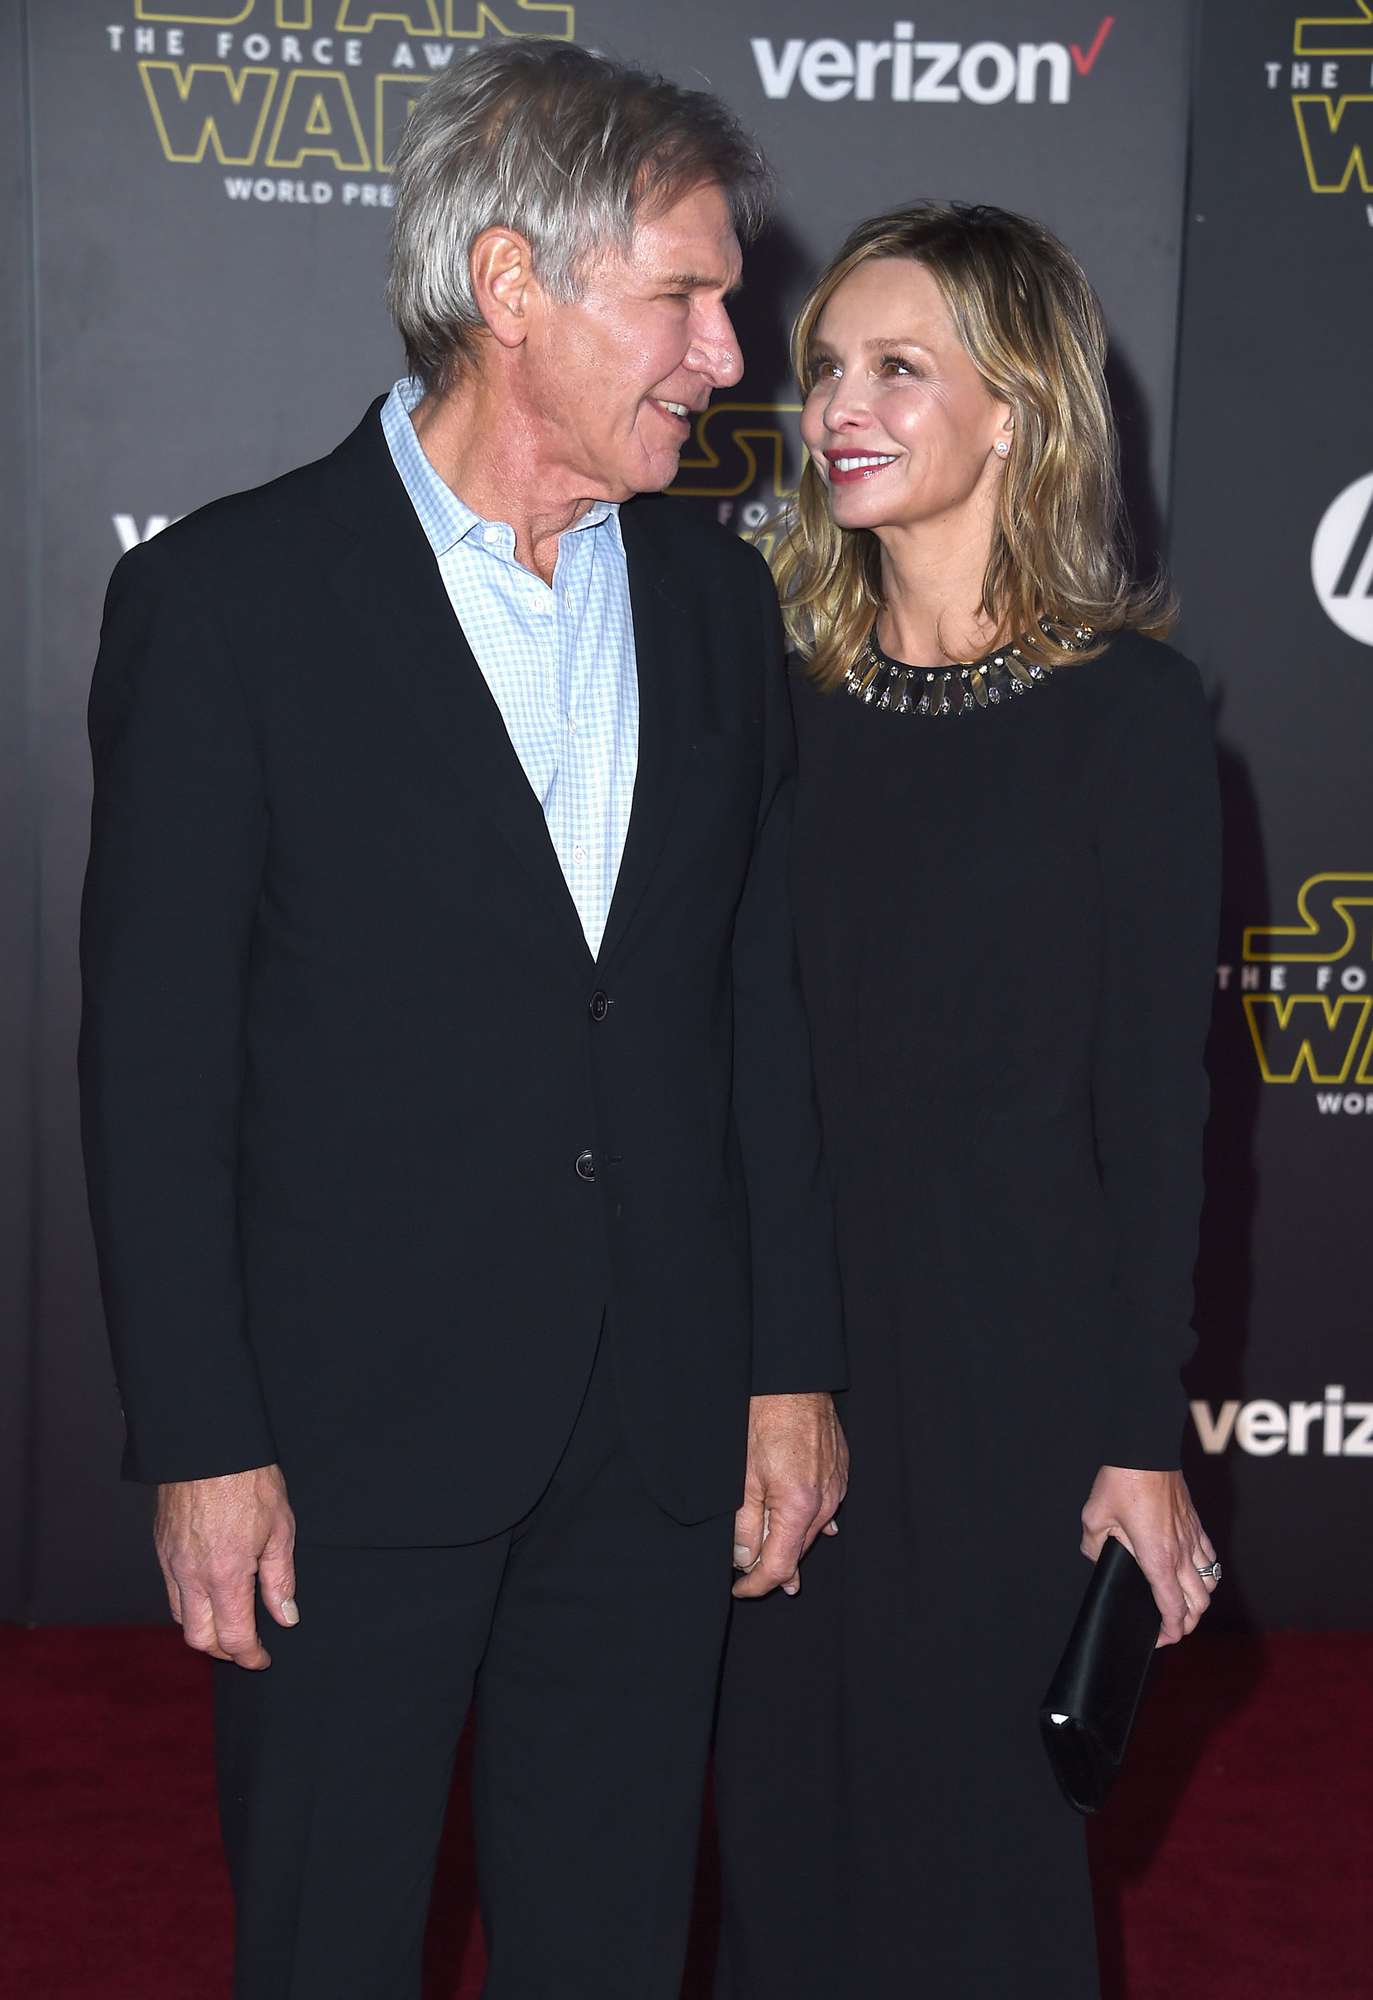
{"type": "Point", "coordinates": [1085, 62]}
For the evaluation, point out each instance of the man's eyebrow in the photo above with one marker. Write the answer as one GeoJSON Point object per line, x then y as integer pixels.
{"type": "Point", "coordinates": [695, 281]}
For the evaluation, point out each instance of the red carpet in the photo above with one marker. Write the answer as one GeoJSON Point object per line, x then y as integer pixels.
{"type": "Point", "coordinates": [1234, 1864]}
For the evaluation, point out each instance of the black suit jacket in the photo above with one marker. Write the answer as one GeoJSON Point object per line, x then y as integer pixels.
{"type": "Point", "coordinates": [347, 1062]}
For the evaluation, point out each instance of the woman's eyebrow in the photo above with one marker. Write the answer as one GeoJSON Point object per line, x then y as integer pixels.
{"type": "Point", "coordinates": [896, 340]}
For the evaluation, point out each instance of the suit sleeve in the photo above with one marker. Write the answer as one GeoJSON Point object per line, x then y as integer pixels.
{"type": "Point", "coordinates": [1160, 863]}
{"type": "Point", "coordinates": [797, 1326]}
{"type": "Point", "coordinates": [178, 839]}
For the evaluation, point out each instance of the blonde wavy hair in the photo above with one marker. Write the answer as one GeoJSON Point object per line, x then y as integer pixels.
{"type": "Point", "coordinates": [1034, 330]}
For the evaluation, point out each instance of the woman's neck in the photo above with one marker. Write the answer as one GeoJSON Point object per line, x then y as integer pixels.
{"type": "Point", "coordinates": [932, 578]}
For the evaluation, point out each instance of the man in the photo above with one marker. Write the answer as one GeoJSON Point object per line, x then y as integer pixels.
{"type": "Point", "coordinates": [447, 1101]}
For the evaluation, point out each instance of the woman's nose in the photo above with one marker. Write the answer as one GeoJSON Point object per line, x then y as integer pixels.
{"type": "Point", "coordinates": [845, 406]}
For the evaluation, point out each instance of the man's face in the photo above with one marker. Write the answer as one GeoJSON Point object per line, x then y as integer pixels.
{"type": "Point", "coordinates": [613, 382]}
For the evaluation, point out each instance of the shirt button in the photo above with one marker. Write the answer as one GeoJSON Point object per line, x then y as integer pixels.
{"type": "Point", "coordinates": [491, 536]}
{"type": "Point", "coordinates": [599, 1005]}
{"type": "Point", "coordinates": [578, 852]}
{"type": "Point", "coordinates": [586, 1166]}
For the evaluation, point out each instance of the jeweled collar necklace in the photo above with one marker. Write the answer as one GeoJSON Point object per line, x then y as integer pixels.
{"type": "Point", "coordinates": [881, 682]}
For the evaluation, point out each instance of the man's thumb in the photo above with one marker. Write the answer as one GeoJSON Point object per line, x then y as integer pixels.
{"type": "Point", "coordinates": [276, 1575]}
{"type": "Point", "coordinates": [748, 1534]}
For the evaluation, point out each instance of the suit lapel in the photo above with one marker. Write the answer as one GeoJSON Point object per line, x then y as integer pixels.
{"type": "Point", "coordinates": [392, 584]}
{"type": "Point", "coordinates": [662, 650]}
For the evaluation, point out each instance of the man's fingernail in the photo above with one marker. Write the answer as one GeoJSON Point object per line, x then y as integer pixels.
{"type": "Point", "coordinates": [743, 1555]}
{"type": "Point", "coordinates": [831, 1528]}
{"type": "Point", "coordinates": [289, 1611]}
{"type": "Point", "coordinates": [790, 1589]}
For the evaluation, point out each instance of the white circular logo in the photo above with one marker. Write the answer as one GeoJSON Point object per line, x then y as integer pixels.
{"type": "Point", "coordinates": [1342, 560]}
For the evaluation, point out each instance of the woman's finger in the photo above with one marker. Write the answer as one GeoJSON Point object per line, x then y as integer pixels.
{"type": "Point", "coordinates": [1173, 1608]}
{"type": "Point", "coordinates": [1196, 1596]}
{"type": "Point", "coordinates": [1094, 1541]}
{"type": "Point", "coordinates": [1204, 1557]}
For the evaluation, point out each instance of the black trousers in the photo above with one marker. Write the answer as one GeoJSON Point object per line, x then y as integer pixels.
{"type": "Point", "coordinates": [589, 1636]}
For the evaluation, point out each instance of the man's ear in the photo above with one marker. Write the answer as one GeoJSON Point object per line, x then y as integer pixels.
{"type": "Point", "coordinates": [503, 282]}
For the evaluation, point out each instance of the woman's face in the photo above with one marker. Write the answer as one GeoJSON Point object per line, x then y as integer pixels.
{"type": "Point", "coordinates": [900, 424]}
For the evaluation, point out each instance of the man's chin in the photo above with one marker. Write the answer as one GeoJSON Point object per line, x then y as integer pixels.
{"type": "Point", "coordinates": [657, 471]}
{"type": "Point", "coordinates": [638, 472]}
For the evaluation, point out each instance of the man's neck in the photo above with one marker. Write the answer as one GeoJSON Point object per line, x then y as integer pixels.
{"type": "Point", "coordinates": [488, 453]}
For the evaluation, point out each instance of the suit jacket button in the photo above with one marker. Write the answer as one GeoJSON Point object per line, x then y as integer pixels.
{"type": "Point", "coordinates": [600, 1006]}
{"type": "Point", "coordinates": [586, 1166]}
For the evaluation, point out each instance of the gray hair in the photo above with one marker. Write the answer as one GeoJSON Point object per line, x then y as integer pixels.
{"type": "Point", "coordinates": [561, 144]}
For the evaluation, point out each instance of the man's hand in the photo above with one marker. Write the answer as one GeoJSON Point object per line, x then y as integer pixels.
{"type": "Point", "coordinates": [215, 1538]}
{"type": "Point", "coordinates": [1152, 1513]}
{"type": "Point", "coordinates": [798, 1471]}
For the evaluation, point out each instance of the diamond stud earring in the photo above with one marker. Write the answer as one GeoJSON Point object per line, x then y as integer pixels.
{"type": "Point", "coordinates": [1002, 447]}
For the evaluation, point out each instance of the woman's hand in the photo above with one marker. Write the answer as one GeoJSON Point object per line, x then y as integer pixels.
{"type": "Point", "coordinates": [1152, 1513]}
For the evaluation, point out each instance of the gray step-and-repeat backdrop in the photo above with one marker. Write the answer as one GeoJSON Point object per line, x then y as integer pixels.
{"type": "Point", "coordinates": [1272, 542]}
{"type": "Point", "coordinates": [199, 228]}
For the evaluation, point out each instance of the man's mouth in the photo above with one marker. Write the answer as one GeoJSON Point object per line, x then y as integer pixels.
{"type": "Point", "coordinates": [845, 467]}
{"type": "Point", "coordinates": [677, 412]}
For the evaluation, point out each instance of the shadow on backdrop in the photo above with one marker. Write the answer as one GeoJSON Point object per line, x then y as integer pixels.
{"type": "Point", "coordinates": [1184, 1705]}
{"type": "Point", "coordinates": [1142, 510]}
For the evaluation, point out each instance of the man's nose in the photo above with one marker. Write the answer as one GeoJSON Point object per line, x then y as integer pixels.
{"type": "Point", "coordinates": [716, 351]}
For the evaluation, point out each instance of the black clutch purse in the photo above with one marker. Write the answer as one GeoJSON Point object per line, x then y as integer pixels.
{"type": "Point", "coordinates": [1088, 1713]}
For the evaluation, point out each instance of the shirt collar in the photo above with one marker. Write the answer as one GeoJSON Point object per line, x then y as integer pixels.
{"type": "Point", "coordinates": [445, 518]}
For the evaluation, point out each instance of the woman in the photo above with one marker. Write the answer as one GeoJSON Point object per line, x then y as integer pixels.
{"type": "Point", "coordinates": [1006, 885]}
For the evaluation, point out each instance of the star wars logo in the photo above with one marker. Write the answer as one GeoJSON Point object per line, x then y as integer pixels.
{"type": "Point", "coordinates": [1305, 991]}
{"type": "Point", "coordinates": [1330, 77]}
{"type": "Point", "coordinates": [299, 92]}
{"type": "Point", "coordinates": [744, 461]}
{"type": "Point", "coordinates": [746, 458]}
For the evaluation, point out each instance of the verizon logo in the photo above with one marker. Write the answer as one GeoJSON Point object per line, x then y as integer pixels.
{"type": "Point", "coordinates": [911, 71]}
{"type": "Point", "coordinates": [1330, 1429]}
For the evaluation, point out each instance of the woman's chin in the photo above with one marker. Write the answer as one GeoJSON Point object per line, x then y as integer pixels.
{"type": "Point", "coordinates": [859, 510]}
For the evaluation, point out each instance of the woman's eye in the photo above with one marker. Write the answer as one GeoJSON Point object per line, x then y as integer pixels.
{"type": "Point", "coordinates": [894, 363]}
{"type": "Point", "coordinates": [827, 371]}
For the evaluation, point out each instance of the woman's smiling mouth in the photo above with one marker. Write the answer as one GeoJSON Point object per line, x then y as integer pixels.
{"type": "Point", "coordinates": [847, 466]}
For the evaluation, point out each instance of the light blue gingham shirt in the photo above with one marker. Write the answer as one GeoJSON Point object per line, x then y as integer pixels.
{"type": "Point", "coordinates": [559, 660]}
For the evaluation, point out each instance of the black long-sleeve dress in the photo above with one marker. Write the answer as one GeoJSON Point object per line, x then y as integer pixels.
{"type": "Point", "coordinates": [1007, 917]}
